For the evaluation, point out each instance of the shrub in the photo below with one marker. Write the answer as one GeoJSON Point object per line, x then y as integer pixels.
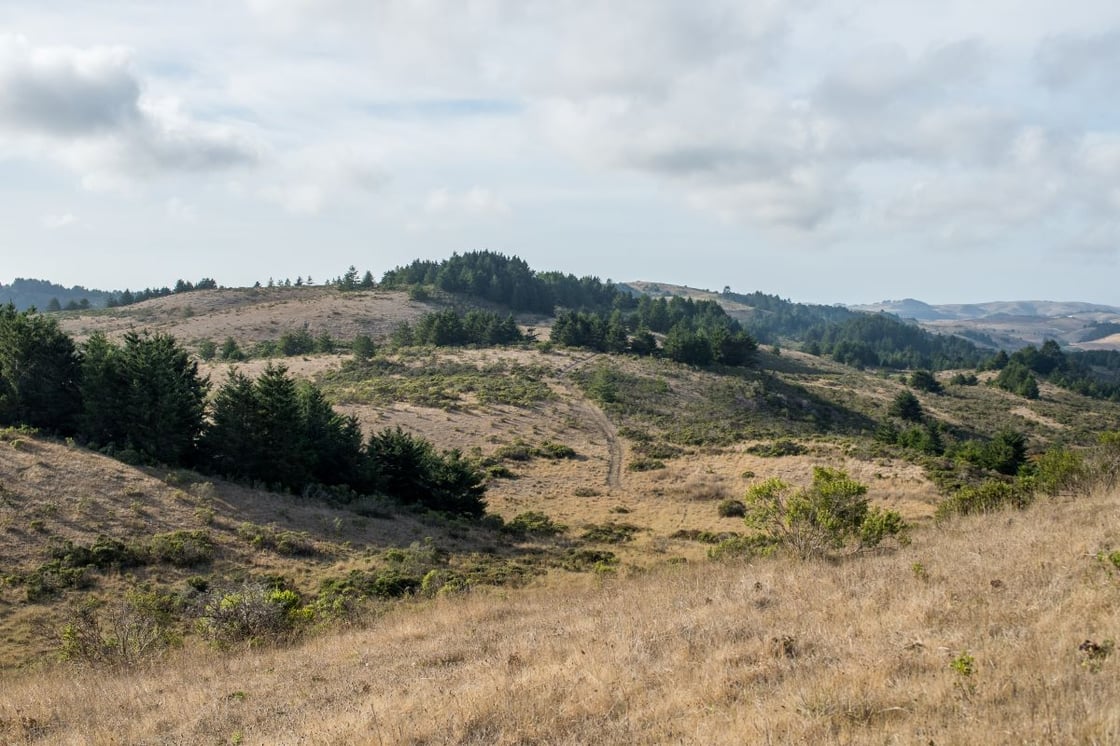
{"type": "Point", "coordinates": [742, 547]}
{"type": "Point", "coordinates": [986, 497]}
{"type": "Point", "coordinates": [580, 560]}
{"type": "Point", "coordinates": [253, 612]}
{"type": "Point", "coordinates": [644, 463]}
{"type": "Point", "coordinates": [181, 548]}
{"type": "Point", "coordinates": [732, 509]}
{"type": "Point", "coordinates": [535, 523]}
{"type": "Point", "coordinates": [288, 543]}
{"type": "Point", "coordinates": [124, 636]}
{"type": "Point", "coordinates": [1059, 470]}
{"type": "Point", "coordinates": [906, 407]}
{"type": "Point", "coordinates": [610, 533]}
{"type": "Point", "coordinates": [820, 518]}
{"type": "Point", "coordinates": [778, 448]}
{"type": "Point", "coordinates": [924, 380]}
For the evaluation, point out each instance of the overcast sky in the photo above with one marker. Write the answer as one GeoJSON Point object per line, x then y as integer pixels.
{"type": "Point", "coordinates": [838, 151]}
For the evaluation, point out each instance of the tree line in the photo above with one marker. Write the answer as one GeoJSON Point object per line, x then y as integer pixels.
{"type": "Point", "coordinates": [144, 401]}
{"type": "Point", "coordinates": [510, 282]}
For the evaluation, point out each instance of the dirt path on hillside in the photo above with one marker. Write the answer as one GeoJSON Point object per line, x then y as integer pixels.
{"type": "Point", "coordinates": [597, 416]}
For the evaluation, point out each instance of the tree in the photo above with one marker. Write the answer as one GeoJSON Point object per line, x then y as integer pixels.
{"type": "Point", "coordinates": [906, 407]}
{"type": "Point", "coordinates": [349, 280]}
{"type": "Point", "coordinates": [924, 380]}
{"type": "Point", "coordinates": [40, 372]}
{"type": "Point", "coordinates": [164, 397]}
{"type": "Point", "coordinates": [367, 280]}
{"type": "Point", "coordinates": [53, 305]}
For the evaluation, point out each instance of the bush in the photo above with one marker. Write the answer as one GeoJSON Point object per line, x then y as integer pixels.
{"type": "Point", "coordinates": [610, 533]}
{"type": "Point", "coordinates": [252, 613]}
{"type": "Point", "coordinates": [742, 547]}
{"type": "Point", "coordinates": [124, 636]}
{"type": "Point", "coordinates": [1059, 470]}
{"type": "Point", "coordinates": [820, 518]}
{"type": "Point", "coordinates": [732, 509]}
{"type": "Point", "coordinates": [644, 463]}
{"type": "Point", "coordinates": [986, 497]}
{"type": "Point", "coordinates": [777, 449]}
{"type": "Point", "coordinates": [181, 548]}
{"type": "Point", "coordinates": [535, 523]}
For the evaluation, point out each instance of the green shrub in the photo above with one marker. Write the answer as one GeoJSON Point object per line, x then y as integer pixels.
{"type": "Point", "coordinates": [732, 509]}
{"type": "Point", "coordinates": [556, 451]}
{"type": "Point", "coordinates": [644, 463]}
{"type": "Point", "coordinates": [1059, 470]}
{"type": "Point", "coordinates": [820, 518]}
{"type": "Point", "coordinates": [986, 497]}
{"type": "Point", "coordinates": [610, 533]}
{"type": "Point", "coordinates": [254, 612]}
{"type": "Point", "coordinates": [534, 523]}
{"type": "Point", "coordinates": [778, 448]}
{"type": "Point", "coordinates": [582, 560]}
{"type": "Point", "coordinates": [121, 636]}
{"type": "Point", "coordinates": [287, 543]}
{"type": "Point", "coordinates": [181, 548]}
{"type": "Point", "coordinates": [742, 547]}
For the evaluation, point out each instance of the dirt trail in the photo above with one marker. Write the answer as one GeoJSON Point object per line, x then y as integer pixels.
{"type": "Point", "coordinates": [602, 422]}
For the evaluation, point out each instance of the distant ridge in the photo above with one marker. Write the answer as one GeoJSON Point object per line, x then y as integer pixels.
{"type": "Point", "coordinates": [909, 308]}
{"type": "Point", "coordinates": [26, 293]}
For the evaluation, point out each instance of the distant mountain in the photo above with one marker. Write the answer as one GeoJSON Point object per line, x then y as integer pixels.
{"type": "Point", "coordinates": [909, 308]}
{"type": "Point", "coordinates": [1013, 324]}
{"type": "Point", "coordinates": [25, 293]}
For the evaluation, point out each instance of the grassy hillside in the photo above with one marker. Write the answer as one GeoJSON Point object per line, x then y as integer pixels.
{"type": "Point", "coordinates": [194, 609]}
{"type": "Point", "coordinates": [992, 627]}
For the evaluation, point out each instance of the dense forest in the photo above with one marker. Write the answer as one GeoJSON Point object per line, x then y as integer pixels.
{"type": "Point", "coordinates": [510, 282]}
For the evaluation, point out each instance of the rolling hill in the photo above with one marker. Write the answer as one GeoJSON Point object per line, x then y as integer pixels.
{"type": "Point", "coordinates": [612, 582]}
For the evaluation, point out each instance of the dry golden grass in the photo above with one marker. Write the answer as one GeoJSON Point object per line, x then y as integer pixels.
{"type": "Point", "coordinates": [769, 652]}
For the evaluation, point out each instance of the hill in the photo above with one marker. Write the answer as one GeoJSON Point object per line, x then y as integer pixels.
{"type": "Point", "coordinates": [26, 293]}
{"type": "Point", "coordinates": [1013, 324]}
{"type": "Point", "coordinates": [607, 579]}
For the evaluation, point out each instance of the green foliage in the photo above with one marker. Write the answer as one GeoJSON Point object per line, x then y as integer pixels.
{"type": "Point", "coordinates": [818, 519]}
{"type": "Point", "coordinates": [742, 547]}
{"type": "Point", "coordinates": [508, 281]}
{"type": "Point", "coordinates": [881, 340]}
{"type": "Point", "coordinates": [449, 328]}
{"type": "Point", "coordinates": [645, 463]}
{"type": "Point", "coordinates": [207, 349]}
{"type": "Point", "coordinates": [964, 379]}
{"type": "Point", "coordinates": [534, 523]}
{"type": "Point", "coordinates": [777, 448]}
{"type": "Point", "coordinates": [181, 548]}
{"type": "Point", "coordinates": [409, 469]}
{"type": "Point", "coordinates": [253, 613]}
{"type": "Point", "coordinates": [1059, 470]}
{"type": "Point", "coordinates": [1005, 453]}
{"type": "Point", "coordinates": [610, 533]}
{"type": "Point", "coordinates": [924, 380]}
{"type": "Point", "coordinates": [363, 347]}
{"type": "Point", "coordinates": [133, 632]}
{"type": "Point", "coordinates": [964, 664]}
{"type": "Point", "coordinates": [40, 372]}
{"type": "Point", "coordinates": [732, 509]}
{"type": "Point", "coordinates": [230, 351]}
{"type": "Point", "coordinates": [989, 496]}
{"type": "Point", "coordinates": [906, 406]}
{"type": "Point", "coordinates": [582, 560]}
{"type": "Point", "coordinates": [1017, 378]}
{"type": "Point", "coordinates": [280, 541]}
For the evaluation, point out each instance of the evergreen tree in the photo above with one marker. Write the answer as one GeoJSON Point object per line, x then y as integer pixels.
{"type": "Point", "coordinates": [40, 372]}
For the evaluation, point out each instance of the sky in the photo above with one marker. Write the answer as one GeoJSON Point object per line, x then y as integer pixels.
{"type": "Point", "coordinates": [835, 151]}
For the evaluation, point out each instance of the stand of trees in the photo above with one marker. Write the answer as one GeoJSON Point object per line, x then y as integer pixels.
{"type": "Point", "coordinates": [144, 401]}
{"type": "Point", "coordinates": [510, 282]}
{"type": "Point", "coordinates": [449, 328]}
{"type": "Point", "coordinates": [881, 340]}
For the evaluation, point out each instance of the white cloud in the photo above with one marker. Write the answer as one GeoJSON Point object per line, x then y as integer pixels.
{"type": "Point", "coordinates": [180, 211]}
{"type": "Point", "coordinates": [58, 221]}
{"type": "Point", "coordinates": [85, 108]}
{"type": "Point", "coordinates": [476, 201]}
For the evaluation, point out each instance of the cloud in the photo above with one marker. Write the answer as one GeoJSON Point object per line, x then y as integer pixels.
{"type": "Point", "coordinates": [180, 211]}
{"type": "Point", "coordinates": [475, 201]}
{"type": "Point", "coordinates": [1066, 61]}
{"type": "Point", "coordinates": [85, 108]}
{"type": "Point", "coordinates": [58, 221]}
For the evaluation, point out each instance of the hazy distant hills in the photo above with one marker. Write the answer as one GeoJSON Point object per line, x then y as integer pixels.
{"type": "Point", "coordinates": [1013, 324]}
{"type": "Point", "coordinates": [909, 308]}
{"type": "Point", "coordinates": [25, 293]}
